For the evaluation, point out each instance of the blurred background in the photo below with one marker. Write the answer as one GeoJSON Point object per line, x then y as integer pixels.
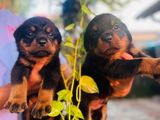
{"type": "Point", "coordinates": [143, 20]}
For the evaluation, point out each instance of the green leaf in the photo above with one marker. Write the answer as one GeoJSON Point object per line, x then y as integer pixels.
{"type": "Point", "coordinates": [69, 44]}
{"type": "Point", "coordinates": [88, 85]}
{"type": "Point", "coordinates": [86, 10]}
{"type": "Point", "coordinates": [64, 95]}
{"type": "Point", "coordinates": [57, 107]}
{"type": "Point", "coordinates": [68, 39]}
{"type": "Point", "coordinates": [69, 58]}
{"type": "Point", "coordinates": [75, 111]}
{"type": "Point", "coordinates": [70, 27]}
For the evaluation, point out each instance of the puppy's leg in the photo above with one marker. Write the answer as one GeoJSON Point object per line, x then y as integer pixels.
{"type": "Point", "coordinates": [99, 114]}
{"type": "Point", "coordinates": [17, 101]}
{"type": "Point", "coordinates": [97, 109]}
{"type": "Point", "coordinates": [51, 76]}
{"type": "Point", "coordinates": [43, 104]}
{"type": "Point", "coordinates": [150, 66]}
{"type": "Point", "coordinates": [129, 68]}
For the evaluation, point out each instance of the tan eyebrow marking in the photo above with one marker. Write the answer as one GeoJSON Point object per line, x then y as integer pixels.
{"type": "Point", "coordinates": [48, 29]}
{"type": "Point", "coordinates": [32, 28]}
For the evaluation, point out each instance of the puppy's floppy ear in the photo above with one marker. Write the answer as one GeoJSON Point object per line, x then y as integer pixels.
{"type": "Point", "coordinates": [17, 34]}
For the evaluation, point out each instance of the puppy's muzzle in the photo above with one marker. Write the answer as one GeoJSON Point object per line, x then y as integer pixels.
{"type": "Point", "coordinates": [42, 42]}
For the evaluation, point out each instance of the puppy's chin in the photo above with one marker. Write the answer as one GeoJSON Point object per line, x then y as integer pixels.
{"type": "Point", "coordinates": [41, 53]}
{"type": "Point", "coordinates": [111, 51]}
{"type": "Point", "coordinates": [107, 53]}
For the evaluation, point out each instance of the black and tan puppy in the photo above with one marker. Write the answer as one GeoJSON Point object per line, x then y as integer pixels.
{"type": "Point", "coordinates": [38, 42]}
{"type": "Point", "coordinates": [106, 40]}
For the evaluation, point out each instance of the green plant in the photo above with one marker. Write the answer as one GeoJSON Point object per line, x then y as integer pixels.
{"type": "Point", "coordinates": [75, 53]}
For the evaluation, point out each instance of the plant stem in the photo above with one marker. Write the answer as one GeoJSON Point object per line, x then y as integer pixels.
{"type": "Point", "coordinates": [74, 71]}
{"type": "Point", "coordinates": [78, 90]}
{"type": "Point", "coordinates": [62, 116]}
{"type": "Point", "coordinates": [82, 19]}
{"type": "Point", "coordinates": [64, 80]}
{"type": "Point", "coordinates": [75, 64]}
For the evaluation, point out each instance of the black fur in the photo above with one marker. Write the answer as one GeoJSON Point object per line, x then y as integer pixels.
{"type": "Point", "coordinates": [100, 24]}
{"type": "Point", "coordinates": [52, 69]}
{"type": "Point", "coordinates": [122, 68]}
{"type": "Point", "coordinates": [18, 71]}
{"type": "Point", "coordinates": [101, 67]}
{"type": "Point", "coordinates": [37, 38]}
{"type": "Point", "coordinates": [52, 81]}
{"type": "Point", "coordinates": [48, 70]}
{"type": "Point", "coordinates": [39, 22]}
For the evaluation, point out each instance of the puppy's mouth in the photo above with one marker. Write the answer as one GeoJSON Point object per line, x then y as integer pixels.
{"type": "Point", "coordinates": [111, 51]}
{"type": "Point", "coordinates": [41, 53]}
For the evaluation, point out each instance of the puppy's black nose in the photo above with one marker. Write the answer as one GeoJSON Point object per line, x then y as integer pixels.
{"type": "Point", "coordinates": [42, 42]}
{"type": "Point", "coordinates": [107, 38]}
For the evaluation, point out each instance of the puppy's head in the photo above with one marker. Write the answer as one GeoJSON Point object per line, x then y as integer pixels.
{"type": "Point", "coordinates": [106, 35]}
{"type": "Point", "coordinates": [37, 37]}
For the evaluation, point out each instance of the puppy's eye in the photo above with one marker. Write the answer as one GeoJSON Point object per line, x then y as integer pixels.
{"type": "Point", "coordinates": [115, 27]}
{"type": "Point", "coordinates": [51, 35]}
{"type": "Point", "coordinates": [30, 34]}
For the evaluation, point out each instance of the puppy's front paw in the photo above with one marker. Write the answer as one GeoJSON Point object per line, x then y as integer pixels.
{"type": "Point", "coordinates": [41, 109]}
{"type": "Point", "coordinates": [16, 105]}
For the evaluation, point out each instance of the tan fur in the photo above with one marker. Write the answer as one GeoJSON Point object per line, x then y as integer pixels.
{"type": "Point", "coordinates": [25, 62]}
{"type": "Point", "coordinates": [32, 28]}
{"type": "Point", "coordinates": [150, 66]}
{"type": "Point", "coordinates": [48, 29]}
{"type": "Point", "coordinates": [18, 94]}
{"type": "Point", "coordinates": [34, 47]}
{"type": "Point", "coordinates": [97, 104]}
{"type": "Point", "coordinates": [121, 43]}
{"type": "Point", "coordinates": [44, 100]}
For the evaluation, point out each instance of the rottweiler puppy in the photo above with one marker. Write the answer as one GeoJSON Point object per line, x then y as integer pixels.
{"type": "Point", "coordinates": [38, 42]}
{"type": "Point", "coordinates": [106, 39]}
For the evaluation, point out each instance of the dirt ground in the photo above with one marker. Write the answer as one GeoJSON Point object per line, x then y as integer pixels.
{"type": "Point", "coordinates": [134, 109]}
